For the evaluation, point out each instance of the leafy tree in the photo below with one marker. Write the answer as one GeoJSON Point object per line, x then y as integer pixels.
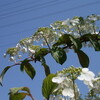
{"type": "Point", "coordinates": [57, 40]}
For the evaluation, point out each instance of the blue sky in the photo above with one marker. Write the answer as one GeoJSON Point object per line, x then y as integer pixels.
{"type": "Point", "coordinates": [21, 18]}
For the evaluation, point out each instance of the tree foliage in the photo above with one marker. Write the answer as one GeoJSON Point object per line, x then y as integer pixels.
{"type": "Point", "coordinates": [57, 40]}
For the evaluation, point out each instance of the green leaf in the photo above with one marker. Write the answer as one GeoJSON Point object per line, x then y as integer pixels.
{"type": "Point", "coordinates": [46, 67]}
{"type": "Point", "coordinates": [28, 68]}
{"type": "Point", "coordinates": [81, 20]}
{"type": "Point", "coordinates": [17, 89]}
{"type": "Point", "coordinates": [76, 42]}
{"type": "Point", "coordinates": [48, 86]}
{"type": "Point", "coordinates": [41, 53]}
{"type": "Point", "coordinates": [23, 64]}
{"type": "Point", "coordinates": [93, 38]}
{"type": "Point", "coordinates": [83, 58]}
{"type": "Point", "coordinates": [64, 39]}
{"type": "Point", "coordinates": [16, 95]}
{"type": "Point", "coordinates": [95, 43]}
{"type": "Point", "coordinates": [3, 73]}
{"type": "Point", "coordinates": [59, 55]}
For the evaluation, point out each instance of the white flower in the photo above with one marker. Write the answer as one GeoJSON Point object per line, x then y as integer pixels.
{"type": "Point", "coordinates": [5, 54]}
{"type": "Point", "coordinates": [87, 76]}
{"type": "Point", "coordinates": [24, 49]}
{"type": "Point", "coordinates": [66, 22]}
{"type": "Point", "coordinates": [31, 50]}
{"type": "Point", "coordinates": [66, 86]}
{"type": "Point", "coordinates": [95, 33]}
{"type": "Point", "coordinates": [58, 79]}
{"type": "Point", "coordinates": [18, 46]}
{"type": "Point", "coordinates": [96, 85]}
{"type": "Point", "coordinates": [93, 17]}
{"type": "Point", "coordinates": [75, 21]}
{"type": "Point", "coordinates": [12, 58]}
{"type": "Point", "coordinates": [68, 92]}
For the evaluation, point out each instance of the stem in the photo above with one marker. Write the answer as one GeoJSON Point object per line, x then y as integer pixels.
{"type": "Point", "coordinates": [31, 97]}
{"type": "Point", "coordinates": [74, 89]}
{"type": "Point", "coordinates": [46, 42]}
{"type": "Point", "coordinates": [79, 31]}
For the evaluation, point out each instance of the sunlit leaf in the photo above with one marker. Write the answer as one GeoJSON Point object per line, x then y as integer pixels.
{"type": "Point", "coordinates": [3, 73]}
{"type": "Point", "coordinates": [83, 58]}
{"type": "Point", "coordinates": [48, 86]}
{"type": "Point", "coordinates": [16, 95]}
{"type": "Point", "coordinates": [59, 55]}
{"type": "Point", "coordinates": [17, 89]}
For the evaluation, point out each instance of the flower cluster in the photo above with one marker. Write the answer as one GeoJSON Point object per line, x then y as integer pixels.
{"type": "Point", "coordinates": [65, 80]}
{"type": "Point", "coordinates": [45, 35]}
{"type": "Point", "coordinates": [88, 77]}
{"type": "Point", "coordinates": [24, 45]}
{"type": "Point", "coordinates": [67, 86]}
{"type": "Point", "coordinates": [77, 26]}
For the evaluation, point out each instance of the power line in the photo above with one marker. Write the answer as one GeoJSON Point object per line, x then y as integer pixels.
{"type": "Point", "coordinates": [29, 9]}
{"type": "Point", "coordinates": [16, 33]}
{"type": "Point", "coordinates": [10, 3]}
{"type": "Point", "coordinates": [23, 31]}
{"type": "Point", "coordinates": [8, 44]}
{"type": "Point", "coordinates": [50, 14]}
{"type": "Point", "coordinates": [19, 5]}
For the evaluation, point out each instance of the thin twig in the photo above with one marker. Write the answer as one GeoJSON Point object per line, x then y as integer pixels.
{"type": "Point", "coordinates": [74, 89]}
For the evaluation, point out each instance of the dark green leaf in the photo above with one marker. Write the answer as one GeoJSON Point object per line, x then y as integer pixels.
{"type": "Point", "coordinates": [93, 38]}
{"type": "Point", "coordinates": [59, 55]}
{"type": "Point", "coordinates": [95, 43]}
{"type": "Point", "coordinates": [81, 20]}
{"type": "Point", "coordinates": [83, 58]}
{"type": "Point", "coordinates": [30, 70]}
{"type": "Point", "coordinates": [23, 64]}
{"type": "Point", "coordinates": [48, 86]}
{"type": "Point", "coordinates": [76, 43]}
{"type": "Point", "coordinates": [64, 39]}
{"type": "Point", "coordinates": [46, 69]}
{"type": "Point", "coordinates": [3, 73]}
{"type": "Point", "coordinates": [41, 53]}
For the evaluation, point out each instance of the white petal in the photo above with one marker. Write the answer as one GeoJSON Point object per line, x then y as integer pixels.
{"type": "Point", "coordinates": [91, 74]}
{"type": "Point", "coordinates": [84, 70]}
{"type": "Point", "coordinates": [81, 77]}
{"type": "Point", "coordinates": [89, 83]}
{"type": "Point", "coordinates": [68, 92]}
{"type": "Point", "coordinates": [58, 79]}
